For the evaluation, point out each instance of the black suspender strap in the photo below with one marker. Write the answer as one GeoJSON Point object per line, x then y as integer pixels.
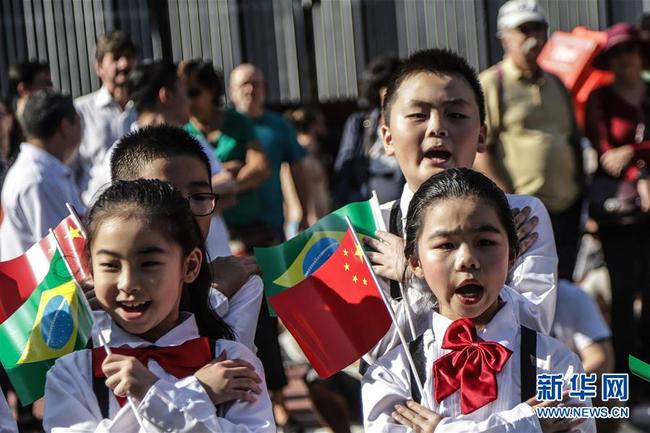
{"type": "Point", "coordinates": [101, 394]}
{"type": "Point", "coordinates": [395, 227]}
{"type": "Point", "coordinates": [528, 352]}
{"type": "Point", "coordinates": [416, 348]}
{"type": "Point", "coordinates": [528, 364]}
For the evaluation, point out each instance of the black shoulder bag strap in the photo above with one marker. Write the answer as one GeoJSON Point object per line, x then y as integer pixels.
{"type": "Point", "coordinates": [416, 348]}
{"type": "Point", "coordinates": [395, 227]}
{"type": "Point", "coordinates": [528, 355]}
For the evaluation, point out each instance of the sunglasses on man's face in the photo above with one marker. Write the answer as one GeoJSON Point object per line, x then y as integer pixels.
{"type": "Point", "coordinates": [533, 27]}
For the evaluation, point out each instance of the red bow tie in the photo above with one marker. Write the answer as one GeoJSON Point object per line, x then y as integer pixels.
{"type": "Point", "coordinates": [471, 366]}
{"type": "Point", "coordinates": [181, 361]}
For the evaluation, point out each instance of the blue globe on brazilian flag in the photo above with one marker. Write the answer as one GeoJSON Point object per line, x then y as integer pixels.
{"type": "Point", "coordinates": [52, 322]}
{"type": "Point", "coordinates": [285, 265]}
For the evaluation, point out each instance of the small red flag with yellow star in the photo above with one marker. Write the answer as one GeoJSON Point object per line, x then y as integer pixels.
{"type": "Point", "coordinates": [336, 314]}
{"type": "Point", "coordinates": [21, 275]}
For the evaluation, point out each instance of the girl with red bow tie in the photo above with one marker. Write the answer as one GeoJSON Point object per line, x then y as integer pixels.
{"type": "Point", "coordinates": [477, 363]}
{"type": "Point", "coordinates": [170, 355]}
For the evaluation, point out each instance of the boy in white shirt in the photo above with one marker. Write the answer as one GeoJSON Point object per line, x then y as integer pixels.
{"type": "Point", "coordinates": [39, 183]}
{"type": "Point", "coordinates": [434, 119]}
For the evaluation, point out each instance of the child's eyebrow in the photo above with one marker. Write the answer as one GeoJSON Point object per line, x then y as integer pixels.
{"type": "Point", "coordinates": [150, 250]}
{"type": "Point", "coordinates": [141, 251]}
{"type": "Point", "coordinates": [485, 228]}
{"type": "Point", "coordinates": [451, 101]}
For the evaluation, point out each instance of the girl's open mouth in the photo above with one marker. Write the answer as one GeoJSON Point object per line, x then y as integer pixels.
{"type": "Point", "coordinates": [133, 310]}
{"type": "Point", "coordinates": [470, 293]}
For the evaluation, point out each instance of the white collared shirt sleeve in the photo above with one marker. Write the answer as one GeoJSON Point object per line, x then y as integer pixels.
{"type": "Point", "coordinates": [578, 321]}
{"type": "Point", "coordinates": [181, 406]}
{"type": "Point", "coordinates": [7, 422]}
{"type": "Point", "coordinates": [534, 273]}
{"type": "Point", "coordinates": [240, 312]}
{"type": "Point", "coordinates": [71, 405]}
{"type": "Point", "coordinates": [244, 308]}
{"type": "Point", "coordinates": [184, 406]}
{"type": "Point", "coordinates": [385, 384]}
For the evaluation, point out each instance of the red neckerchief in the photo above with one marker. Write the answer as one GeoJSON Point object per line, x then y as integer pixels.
{"type": "Point", "coordinates": [181, 361]}
{"type": "Point", "coordinates": [471, 366]}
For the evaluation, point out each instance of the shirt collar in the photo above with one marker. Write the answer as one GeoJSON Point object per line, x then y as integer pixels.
{"type": "Point", "coordinates": [404, 202]}
{"type": "Point", "coordinates": [114, 336]}
{"type": "Point", "coordinates": [103, 98]}
{"type": "Point", "coordinates": [500, 329]}
{"type": "Point", "coordinates": [513, 72]}
{"type": "Point", "coordinates": [29, 151]}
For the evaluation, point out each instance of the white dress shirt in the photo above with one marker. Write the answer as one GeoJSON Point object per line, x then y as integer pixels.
{"type": "Point", "coordinates": [240, 312]}
{"type": "Point", "coordinates": [7, 422]}
{"type": "Point", "coordinates": [34, 195]}
{"type": "Point", "coordinates": [534, 275]}
{"type": "Point", "coordinates": [169, 405]}
{"type": "Point", "coordinates": [104, 121]}
{"type": "Point", "coordinates": [387, 382]}
{"type": "Point", "coordinates": [578, 321]}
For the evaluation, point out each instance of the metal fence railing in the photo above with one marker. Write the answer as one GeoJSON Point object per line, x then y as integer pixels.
{"type": "Point", "coordinates": [308, 49]}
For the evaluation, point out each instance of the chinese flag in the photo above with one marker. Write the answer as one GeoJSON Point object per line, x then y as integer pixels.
{"type": "Point", "coordinates": [336, 314]}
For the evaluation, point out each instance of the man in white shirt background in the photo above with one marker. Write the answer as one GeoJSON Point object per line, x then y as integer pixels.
{"type": "Point", "coordinates": [105, 113]}
{"type": "Point", "coordinates": [39, 183]}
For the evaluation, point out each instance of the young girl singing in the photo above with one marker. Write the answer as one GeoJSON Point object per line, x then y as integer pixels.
{"type": "Point", "coordinates": [170, 355]}
{"type": "Point", "coordinates": [477, 366]}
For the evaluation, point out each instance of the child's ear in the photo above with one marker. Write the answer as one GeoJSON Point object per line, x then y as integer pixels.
{"type": "Point", "coordinates": [192, 266]}
{"type": "Point", "coordinates": [387, 138]}
{"type": "Point", "coordinates": [482, 139]}
{"type": "Point", "coordinates": [163, 95]}
{"type": "Point", "coordinates": [414, 263]}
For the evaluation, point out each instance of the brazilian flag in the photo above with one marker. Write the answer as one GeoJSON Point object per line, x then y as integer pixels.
{"type": "Point", "coordinates": [285, 265]}
{"type": "Point", "coordinates": [52, 322]}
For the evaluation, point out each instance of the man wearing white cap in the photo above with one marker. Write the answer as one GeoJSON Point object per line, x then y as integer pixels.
{"type": "Point", "coordinates": [533, 141]}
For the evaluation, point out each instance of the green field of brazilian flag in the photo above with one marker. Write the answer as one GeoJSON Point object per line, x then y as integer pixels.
{"type": "Point", "coordinates": [52, 322]}
{"type": "Point", "coordinates": [288, 264]}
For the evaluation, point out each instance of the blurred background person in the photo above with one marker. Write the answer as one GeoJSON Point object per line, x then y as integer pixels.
{"type": "Point", "coordinates": [310, 127]}
{"type": "Point", "coordinates": [105, 113]}
{"type": "Point", "coordinates": [10, 138]}
{"type": "Point", "coordinates": [616, 119]}
{"type": "Point", "coordinates": [39, 183]}
{"type": "Point", "coordinates": [232, 136]}
{"type": "Point", "coordinates": [278, 139]}
{"type": "Point", "coordinates": [361, 164]}
{"type": "Point", "coordinates": [533, 143]}
{"type": "Point", "coordinates": [25, 78]}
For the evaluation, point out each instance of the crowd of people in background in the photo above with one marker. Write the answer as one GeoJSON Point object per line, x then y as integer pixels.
{"type": "Point", "coordinates": [266, 181]}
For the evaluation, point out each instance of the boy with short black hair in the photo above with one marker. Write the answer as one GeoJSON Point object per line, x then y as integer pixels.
{"type": "Point", "coordinates": [170, 154]}
{"type": "Point", "coordinates": [39, 184]}
{"type": "Point", "coordinates": [434, 120]}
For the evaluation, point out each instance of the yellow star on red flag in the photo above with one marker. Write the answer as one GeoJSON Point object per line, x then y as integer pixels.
{"type": "Point", "coordinates": [359, 253]}
{"type": "Point", "coordinates": [73, 233]}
